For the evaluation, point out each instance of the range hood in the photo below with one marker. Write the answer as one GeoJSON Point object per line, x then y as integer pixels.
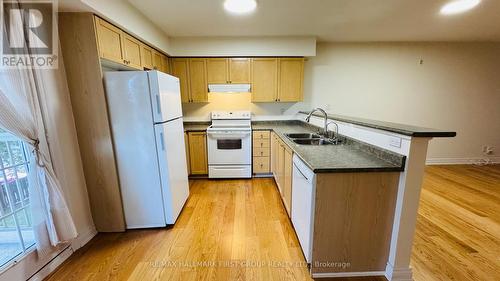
{"type": "Point", "coordinates": [229, 88]}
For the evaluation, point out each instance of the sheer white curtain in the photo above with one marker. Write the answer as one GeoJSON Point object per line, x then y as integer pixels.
{"type": "Point", "coordinates": [21, 115]}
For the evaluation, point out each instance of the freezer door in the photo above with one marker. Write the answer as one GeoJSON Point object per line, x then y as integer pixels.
{"type": "Point", "coordinates": [165, 96]}
{"type": "Point", "coordinates": [135, 148]}
{"type": "Point", "coordinates": [172, 162]}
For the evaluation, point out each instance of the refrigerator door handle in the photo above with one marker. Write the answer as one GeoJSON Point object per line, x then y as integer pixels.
{"type": "Point", "coordinates": [162, 142]}
{"type": "Point", "coordinates": [158, 105]}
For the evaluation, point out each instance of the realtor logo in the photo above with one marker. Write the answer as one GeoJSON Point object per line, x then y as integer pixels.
{"type": "Point", "coordinates": [29, 34]}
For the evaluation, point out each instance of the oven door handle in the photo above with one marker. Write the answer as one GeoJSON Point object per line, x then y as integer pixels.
{"type": "Point", "coordinates": [228, 135]}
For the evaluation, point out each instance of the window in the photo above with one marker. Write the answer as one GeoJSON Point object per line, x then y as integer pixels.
{"type": "Point", "coordinates": [16, 232]}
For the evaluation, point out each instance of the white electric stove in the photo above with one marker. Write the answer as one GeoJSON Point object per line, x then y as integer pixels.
{"type": "Point", "coordinates": [229, 140]}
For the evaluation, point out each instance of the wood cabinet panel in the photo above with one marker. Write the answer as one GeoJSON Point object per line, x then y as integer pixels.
{"type": "Point", "coordinates": [132, 52]}
{"type": "Point", "coordinates": [261, 135]}
{"type": "Point", "coordinates": [260, 165]}
{"type": "Point", "coordinates": [198, 80]}
{"type": "Point", "coordinates": [290, 79]}
{"type": "Point", "coordinates": [217, 71]}
{"type": "Point", "coordinates": [261, 152]}
{"type": "Point", "coordinates": [188, 160]}
{"type": "Point", "coordinates": [147, 57]}
{"type": "Point", "coordinates": [264, 72]}
{"type": "Point", "coordinates": [165, 67]}
{"type": "Point", "coordinates": [156, 60]}
{"type": "Point", "coordinates": [353, 220]}
{"type": "Point", "coordinates": [287, 180]}
{"type": "Point", "coordinates": [239, 70]}
{"type": "Point", "coordinates": [77, 35]}
{"type": "Point", "coordinates": [280, 167]}
{"type": "Point", "coordinates": [259, 143]}
{"type": "Point", "coordinates": [198, 153]}
{"type": "Point", "coordinates": [109, 40]}
{"type": "Point", "coordinates": [180, 69]}
{"type": "Point", "coordinates": [274, 153]}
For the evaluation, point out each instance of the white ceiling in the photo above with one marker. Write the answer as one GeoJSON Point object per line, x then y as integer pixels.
{"type": "Point", "coordinates": [328, 20]}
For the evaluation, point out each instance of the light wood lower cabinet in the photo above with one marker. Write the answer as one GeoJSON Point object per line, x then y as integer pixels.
{"type": "Point", "coordinates": [287, 179]}
{"type": "Point", "coordinates": [281, 166]}
{"type": "Point", "coordinates": [261, 152]}
{"type": "Point", "coordinates": [353, 218]}
{"type": "Point", "coordinates": [188, 160]}
{"type": "Point", "coordinates": [198, 161]}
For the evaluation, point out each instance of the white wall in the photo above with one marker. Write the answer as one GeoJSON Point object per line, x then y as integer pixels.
{"type": "Point", "coordinates": [457, 87]}
{"type": "Point", "coordinates": [243, 46]}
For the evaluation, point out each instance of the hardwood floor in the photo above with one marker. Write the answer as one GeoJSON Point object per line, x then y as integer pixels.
{"type": "Point", "coordinates": [458, 224]}
{"type": "Point", "coordinates": [232, 221]}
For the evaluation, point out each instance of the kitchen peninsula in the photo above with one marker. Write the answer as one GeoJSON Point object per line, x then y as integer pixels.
{"type": "Point", "coordinates": [363, 193]}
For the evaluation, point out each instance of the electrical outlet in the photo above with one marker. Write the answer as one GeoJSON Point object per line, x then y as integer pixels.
{"type": "Point", "coordinates": [394, 141]}
{"type": "Point", "coordinates": [488, 150]}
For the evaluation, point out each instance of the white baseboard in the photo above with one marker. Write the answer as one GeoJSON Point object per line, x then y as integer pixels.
{"type": "Point", "coordinates": [348, 274]}
{"type": "Point", "coordinates": [461, 161]}
{"type": "Point", "coordinates": [83, 238]}
{"type": "Point", "coordinates": [398, 274]}
{"type": "Point", "coordinates": [52, 265]}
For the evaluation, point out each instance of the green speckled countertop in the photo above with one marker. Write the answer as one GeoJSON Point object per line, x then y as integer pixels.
{"type": "Point", "coordinates": [351, 156]}
{"type": "Point", "coordinates": [196, 126]}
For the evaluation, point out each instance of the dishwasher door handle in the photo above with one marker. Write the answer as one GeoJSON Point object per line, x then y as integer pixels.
{"type": "Point", "coordinates": [300, 172]}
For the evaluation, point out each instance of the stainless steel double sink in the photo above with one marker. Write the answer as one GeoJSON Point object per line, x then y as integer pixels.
{"type": "Point", "coordinates": [310, 139]}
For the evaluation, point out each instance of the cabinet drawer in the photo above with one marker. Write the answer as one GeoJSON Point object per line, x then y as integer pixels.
{"type": "Point", "coordinates": [261, 151]}
{"type": "Point", "coordinates": [260, 143]}
{"type": "Point", "coordinates": [260, 165]}
{"type": "Point", "coordinates": [261, 135]}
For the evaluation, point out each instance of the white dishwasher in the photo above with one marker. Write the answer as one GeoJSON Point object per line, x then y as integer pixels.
{"type": "Point", "coordinates": [302, 204]}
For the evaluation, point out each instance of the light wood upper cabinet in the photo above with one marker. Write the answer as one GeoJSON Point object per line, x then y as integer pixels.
{"type": "Point", "coordinates": [291, 76]}
{"type": "Point", "coordinates": [228, 70]}
{"type": "Point", "coordinates": [164, 64]}
{"type": "Point", "coordinates": [109, 40]}
{"type": "Point", "coordinates": [239, 70]}
{"type": "Point", "coordinates": [156, 60]}
{"type": "Point", "coordinates": [180, 69]}
{"type": "Point", "coordinates": [147, 57]}
{"type": "Point", "coordinates": [198, 80]}
{"type": "Point", "coordinates": [132, 51]}
{"type": "Point", "coordinates": [198, 162]}
{"type": "Point", "coordinates": [217, 71]}
{"type": "Point", "coordinates": [264, 73]}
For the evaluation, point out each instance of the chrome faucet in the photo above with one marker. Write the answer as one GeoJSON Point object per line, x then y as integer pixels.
{"type": "Point", "coordinates": [334, 135]}
{"type": "Point", "coordinates": [325, 116]}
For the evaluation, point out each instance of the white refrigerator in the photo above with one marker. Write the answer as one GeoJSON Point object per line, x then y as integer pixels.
{"type": "Point", "coordinates": [148, 136]}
